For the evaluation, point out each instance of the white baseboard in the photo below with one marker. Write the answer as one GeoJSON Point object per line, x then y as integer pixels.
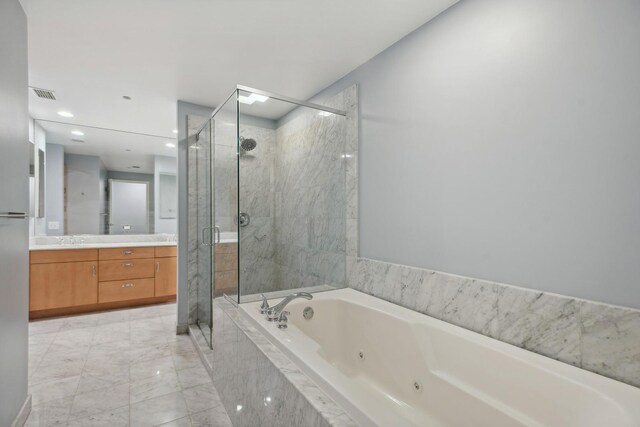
{"type": "Point", "coordinates": [22, 416]}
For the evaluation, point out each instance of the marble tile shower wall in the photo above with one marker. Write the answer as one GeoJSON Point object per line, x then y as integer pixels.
{"type": "Point", "coordinates": [598, 337]}
{"type": "Point", "coordinates": [311, 199]}
{"type": "Point", "coordinates": [225, 170]}
{"type": "Point", "coordinates": [257, 240]}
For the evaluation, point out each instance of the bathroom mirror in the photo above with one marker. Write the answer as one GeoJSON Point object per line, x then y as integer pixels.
{"type": "Point", "coordinates": [36, 173]}
{"type": "Point", "coordinates": [168, 193]}
{"type": "Point", "coordinates": [32, 180]}
{"type": "Point", "coordinates": [83, 163]}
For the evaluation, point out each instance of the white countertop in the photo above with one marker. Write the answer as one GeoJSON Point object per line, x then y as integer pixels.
{"type": "Point", "coordinates": [98, 245]}
{"type": "Point", "coordinates": [48, 243]}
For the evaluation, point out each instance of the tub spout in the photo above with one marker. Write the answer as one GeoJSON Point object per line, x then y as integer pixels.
{"type": "Point", "coordinates": [274, 312]}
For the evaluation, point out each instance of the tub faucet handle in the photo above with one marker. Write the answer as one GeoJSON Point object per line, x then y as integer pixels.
{"type": "Point", "coordinates": [264, 307]}
{"type": "Point", "coordinates": [283, 319]}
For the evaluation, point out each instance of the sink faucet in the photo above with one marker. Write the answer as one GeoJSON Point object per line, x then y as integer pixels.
{"type": "Point", "coordinates": [273, 313]}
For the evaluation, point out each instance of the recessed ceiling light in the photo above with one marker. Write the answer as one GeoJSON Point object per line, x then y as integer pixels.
{"type": "Point", "coordinates": [65, 114]}
{"type": "Point", "coordinates": [252, 98]}
{"type": "Point", "coordinates": [77, 132]}
{"type": "Point", "coordinates": [127, 97]}
{"type": "Point", "coordinates": [170, 145]}
{"type": "Point", "coordinates": [259, 98]}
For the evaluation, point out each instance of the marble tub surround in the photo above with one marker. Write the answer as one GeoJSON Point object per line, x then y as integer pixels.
{"type": "Point", "coordinates": [119, 368]}
{"type": "Point", "coordinates": [257, 384]}
{"type": "Point", "coordinates": [601, 338]}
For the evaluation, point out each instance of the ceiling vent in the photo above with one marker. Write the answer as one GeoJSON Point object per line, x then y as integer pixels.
{"type": "Point", "coordinates": [44, 93]}
{"type": "Point", "coordinates": [77, 140]}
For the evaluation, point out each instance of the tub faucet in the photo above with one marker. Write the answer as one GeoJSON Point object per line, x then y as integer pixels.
{"type": "Point", "coordinates": [274, 312]}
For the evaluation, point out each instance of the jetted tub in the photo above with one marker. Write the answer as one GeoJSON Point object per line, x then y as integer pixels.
{"type": "Point", "coordinates": [390, 366]}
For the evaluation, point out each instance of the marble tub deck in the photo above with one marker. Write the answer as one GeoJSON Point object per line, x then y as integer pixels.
{"type": "Point", "coordinates": [119, 368]}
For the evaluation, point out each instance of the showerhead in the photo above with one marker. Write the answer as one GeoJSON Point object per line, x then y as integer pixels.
{"type": "Point", "coordinates": [247, 144]}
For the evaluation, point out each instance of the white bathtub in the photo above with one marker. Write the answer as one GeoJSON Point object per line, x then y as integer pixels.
{"type": "Point", "coordinates": [390, 366]}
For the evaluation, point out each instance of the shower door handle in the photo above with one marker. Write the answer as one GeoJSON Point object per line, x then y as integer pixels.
{"type": "Point", "coordinates": [206, 242]}
{"type": "Point", "coordinates": [217, 229]}
{"type": "Point", "coordinates": [14, 215]}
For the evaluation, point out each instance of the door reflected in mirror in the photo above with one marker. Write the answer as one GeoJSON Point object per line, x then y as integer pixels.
{"type": "Point", "coordinates": [101, 181]}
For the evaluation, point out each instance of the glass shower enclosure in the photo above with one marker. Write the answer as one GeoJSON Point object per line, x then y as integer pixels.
{"type": "Point", "coordinates": [267, 201]}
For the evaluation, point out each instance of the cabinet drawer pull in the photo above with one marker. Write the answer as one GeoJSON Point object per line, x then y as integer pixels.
{"type": "Point", "coordinates": [127, 264]}
{"type": "Point", "coordinates": [127, 285]}
{"type": "Point", "coordinates": [93, 269]}
{"type": "Point", "coordinates": [127, 252]}
{"type": "Point", "coordinates": [157, 266]}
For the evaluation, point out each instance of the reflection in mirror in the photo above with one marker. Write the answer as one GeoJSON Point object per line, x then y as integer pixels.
{"type": "Point", "coordinates": [32, 180]}
{"type": "Point", "coordinates": [128, 207]}
{"type": "Point", "coordinates": [168, 196]}
{"type": "Point", "coordinates": [102, 181]}
{"type": "Point", "coordinates": [39, 172]}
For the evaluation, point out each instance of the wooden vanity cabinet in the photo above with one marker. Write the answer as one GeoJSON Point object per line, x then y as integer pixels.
{"type": "Point", "coordinates": [82, 280]}
{"type": "Point", "coordinates": [165, 283]}
{"type": "Point", "coordinates": [63, 284]}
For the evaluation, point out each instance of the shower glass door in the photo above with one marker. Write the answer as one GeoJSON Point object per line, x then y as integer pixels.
{"type": "Point", "coordinates": [213, 215]}
{"type": "Point", "coordinates": [201, 223]}
{"type": "Point", "coordinates": [225, 200]}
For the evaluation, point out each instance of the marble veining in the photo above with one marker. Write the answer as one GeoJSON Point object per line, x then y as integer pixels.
{"type": "Point", "coordinates": [257, 240]}
{"type": "Point", "coordinates": [119, 368]}
{"type": "Point", "coordinates": [316, 194]}
{"type": "Point", "coordinates": [598, 337]}
{"type": "Point", "coordinates": [257, 383]}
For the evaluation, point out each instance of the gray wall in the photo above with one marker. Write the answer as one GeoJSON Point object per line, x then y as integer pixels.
{"type": "Point", "coordinates": [500, 141]}
{"type": "Point", "coordinates": [54, 188]}
{"type": "Point", "coordinates": [14, 191]}
{"type": "Point", "coordinates": [83, 194]}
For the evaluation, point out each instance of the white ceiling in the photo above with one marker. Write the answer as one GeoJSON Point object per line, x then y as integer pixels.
{"type": "Point", "coordinates": [111, 146]}
{"type": "Point", "coordinates": [92, 52]}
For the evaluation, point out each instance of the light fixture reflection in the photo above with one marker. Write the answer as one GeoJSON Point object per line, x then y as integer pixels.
{"type": "Point", "coordinates": [252, 98]}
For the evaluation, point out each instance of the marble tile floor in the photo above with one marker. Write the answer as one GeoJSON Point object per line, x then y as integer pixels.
{"type": "Point", "coordinates": [119, 368]}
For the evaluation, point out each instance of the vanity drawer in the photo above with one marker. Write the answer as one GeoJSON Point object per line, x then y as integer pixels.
{"type": "Point", "coordinates": [123, 290]}
{"type": "Point", "coordinates": [165, 251]}
{"type": "Point", "coordinates": [126, 253]}
{"type": "Point", "coordinates": [63, 255]}
{"type": "Point", "coordinates": [126, 269]}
